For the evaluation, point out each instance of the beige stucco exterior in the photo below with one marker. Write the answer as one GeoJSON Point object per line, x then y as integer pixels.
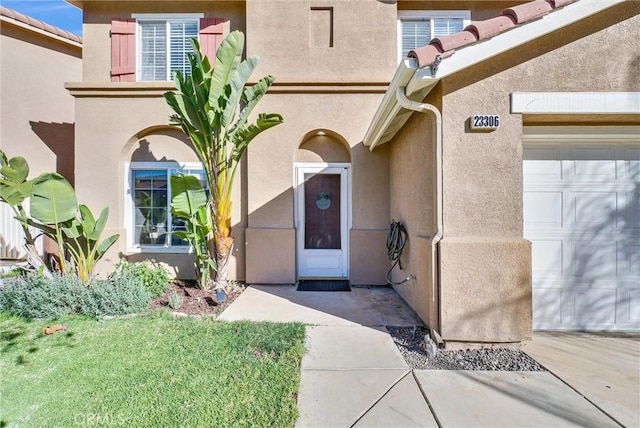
{"type": "Point", "coordinates": [36, 112]}
{"type": "Point", "coordinates": [485, 264]}
{"type": "Point", "coordinates": [469, 267]}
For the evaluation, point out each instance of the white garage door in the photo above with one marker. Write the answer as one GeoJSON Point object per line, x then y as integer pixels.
{"type": "Point", "coordinates": [582, 214]}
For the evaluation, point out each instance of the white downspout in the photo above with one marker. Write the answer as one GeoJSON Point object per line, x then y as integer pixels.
{"type": "Point", "coordinates": [408, 104]}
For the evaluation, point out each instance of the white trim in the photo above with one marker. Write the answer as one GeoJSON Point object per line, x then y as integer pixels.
{"type": "Point", "coordinates": [165, 16]}
{"type": "Point", "coordinates": [129, 221]}
{"type": "Point", "coordinates": [465, 15]}
{"type": "Point", "coordinates": [344, 170]}
{"type": "Point", "coordinates": [575, 102]}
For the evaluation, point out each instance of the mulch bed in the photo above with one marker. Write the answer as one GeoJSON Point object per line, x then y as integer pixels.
{"type": "Point", "coordinates": [195, 300]}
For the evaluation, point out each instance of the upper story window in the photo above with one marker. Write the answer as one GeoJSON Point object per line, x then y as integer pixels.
{"type": "Point", "coordinates": [151, 47]}
{"type": "Point", "coordinates": [163, 44]}
{"type": "Point", "coordinates": [416, 28]}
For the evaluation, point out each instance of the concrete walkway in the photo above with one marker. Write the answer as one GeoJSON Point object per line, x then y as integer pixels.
{"type": "Point", "coordinates": [354, 376]}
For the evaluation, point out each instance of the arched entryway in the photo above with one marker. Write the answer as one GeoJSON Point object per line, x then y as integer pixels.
{"type": "Point", "coordinates": [323, 205]}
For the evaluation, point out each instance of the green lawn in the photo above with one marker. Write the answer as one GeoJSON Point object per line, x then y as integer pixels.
{"type": "Point", "coordinates": [151, 370]}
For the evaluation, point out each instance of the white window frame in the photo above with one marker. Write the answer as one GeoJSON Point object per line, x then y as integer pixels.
{"type": "Point", "coordinates": [129, 205]}
{"type": "Point", "coordinates": [429, 14]}
{"type": "Point", "coordinates": [167, 17]}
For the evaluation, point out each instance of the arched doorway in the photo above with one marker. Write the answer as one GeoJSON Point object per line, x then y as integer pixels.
{"type": "Point", "coordinates": [323, 205]}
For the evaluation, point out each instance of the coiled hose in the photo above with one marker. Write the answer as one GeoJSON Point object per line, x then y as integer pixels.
{"type": "Point", "coordinates": [396, 240]}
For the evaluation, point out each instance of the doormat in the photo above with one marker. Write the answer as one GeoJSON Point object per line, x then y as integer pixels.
{"type": "Point", "coordinates": [323, 285]}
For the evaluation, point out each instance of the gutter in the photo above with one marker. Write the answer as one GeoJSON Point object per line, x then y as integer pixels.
{"type": "Point", "coordinates": [419, 81]}
{"type": "Point", "coordinates": [410, 105]}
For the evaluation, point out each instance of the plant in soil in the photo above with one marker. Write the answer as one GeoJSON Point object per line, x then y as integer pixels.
{"type": "Point", "coordinates": [212, 106]}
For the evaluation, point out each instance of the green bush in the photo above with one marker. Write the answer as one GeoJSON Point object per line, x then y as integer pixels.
{"type": "Point", "coordinates": [119, 295]}
{"type": "Point", "coordinates": [34, 296]}
{"type": "Point", "coordinates": [154, 277]}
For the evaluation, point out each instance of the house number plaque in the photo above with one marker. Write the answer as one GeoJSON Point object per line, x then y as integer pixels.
{"type": "Point", "coordinates": [484, 122]}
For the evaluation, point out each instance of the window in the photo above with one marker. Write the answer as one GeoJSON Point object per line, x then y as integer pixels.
{"type": "Point", "coordinates": [149, 205]}
{"type": "Point", "coordinates": [163, 45]}
{"type": "Point", "coordinates": [417, 28]}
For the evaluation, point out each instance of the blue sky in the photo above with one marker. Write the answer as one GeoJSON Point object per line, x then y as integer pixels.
{"type": "Point", "coordinates": [54, 12]}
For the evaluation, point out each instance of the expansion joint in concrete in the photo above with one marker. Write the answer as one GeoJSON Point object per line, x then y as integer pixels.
{"type": "Point", "coordinates": [351, 425]}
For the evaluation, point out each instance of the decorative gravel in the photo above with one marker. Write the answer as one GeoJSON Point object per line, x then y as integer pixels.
{"type": "Point", "coordinates": [420, 352]}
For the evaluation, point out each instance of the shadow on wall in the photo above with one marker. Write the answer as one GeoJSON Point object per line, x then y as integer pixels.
{"type": "Point", "coordinates": [60, 138]}
{"type": "Point", "coordinates": [600, 269]}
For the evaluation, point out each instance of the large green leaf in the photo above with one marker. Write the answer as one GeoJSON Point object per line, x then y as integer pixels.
{"type": "Point", "coordinates": [53, 200]}
{"type": "Point", "coordinates": [239, 79]}
{"type": "Point", "coordinates": [15, 169]}
{"type": "Point", "coordinates": [244, 135]}
{"type": "Point", "coordinates": [228, 57]}
{"type": "Point", "coordinates": [187, 195]}
{"type": "Point", "coordinates": [105, 245]}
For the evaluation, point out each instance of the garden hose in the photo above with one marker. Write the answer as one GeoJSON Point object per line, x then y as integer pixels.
{"type": "Point", "coordinates": [396, 240]}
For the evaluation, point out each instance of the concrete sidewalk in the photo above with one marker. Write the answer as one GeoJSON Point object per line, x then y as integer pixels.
{"type": "Point", "coordinates": [354, 376]}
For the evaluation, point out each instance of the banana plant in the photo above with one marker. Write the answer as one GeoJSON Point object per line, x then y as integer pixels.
{"type": "Point", "coordinates": [189, 202]}
{"type": "Point", "coordinates": [83, 237]}
{"type": "Point", "coordinates": [212, 106]}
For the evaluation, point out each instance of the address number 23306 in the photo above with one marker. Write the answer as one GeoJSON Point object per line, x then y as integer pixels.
{"type": "Point", "coordinates": [485, 121]}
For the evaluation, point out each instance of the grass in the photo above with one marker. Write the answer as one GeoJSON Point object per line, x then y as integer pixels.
{"type": "Point", "coordinates": [151, 370]}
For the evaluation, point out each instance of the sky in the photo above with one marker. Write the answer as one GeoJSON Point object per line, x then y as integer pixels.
{"type": "Point", "coordinates": [55, 12]}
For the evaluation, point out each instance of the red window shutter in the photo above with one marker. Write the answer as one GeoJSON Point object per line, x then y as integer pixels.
{"type": "Point", "coordinates": [123, 50]}
{"type": "Point", "coordinates": [211, 35]}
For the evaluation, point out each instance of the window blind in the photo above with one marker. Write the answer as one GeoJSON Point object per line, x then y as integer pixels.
{"type": "Point", "coordinates": [415, 33]}
{"type": "Point", "coordinates": [180, 34]}
{"type": "Point", "coordinates": [153, 50]}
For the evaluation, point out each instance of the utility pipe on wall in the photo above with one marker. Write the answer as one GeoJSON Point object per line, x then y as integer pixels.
{"type": "Point", "coordinates": [408, 104]}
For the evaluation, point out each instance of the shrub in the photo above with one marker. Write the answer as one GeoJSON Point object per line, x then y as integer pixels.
{"type": "Point", "coordinates": [175, 300]}
{"type": "Point", "coordinates": [34, 296]}
{"type": "Point", "coordinates": [119, 295]}
{"type": "Point", "coordinates": [154, 277]}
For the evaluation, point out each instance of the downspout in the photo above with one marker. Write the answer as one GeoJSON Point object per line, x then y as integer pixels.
{"type": "Point", "coordinates": [408, 104]}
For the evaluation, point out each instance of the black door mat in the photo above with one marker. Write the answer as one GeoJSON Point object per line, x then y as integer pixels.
{"type": "Point", "coordinates": [323, 285]}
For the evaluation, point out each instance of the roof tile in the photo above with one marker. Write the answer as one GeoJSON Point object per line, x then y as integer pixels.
{"type": "Point", "coordinates": [490, 27]}
{"type": "Point", "coordinates": [453, 41]}
{"type": "Point", "coordinates": [445, 46]}
{"type": "Point", "coordinates": [528, 11]}
{"type": "Point", "coordinates": [32, 22]}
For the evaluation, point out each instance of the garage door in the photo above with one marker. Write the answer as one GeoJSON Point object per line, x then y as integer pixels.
{"type": "Point", "coordinates": [582, 215]}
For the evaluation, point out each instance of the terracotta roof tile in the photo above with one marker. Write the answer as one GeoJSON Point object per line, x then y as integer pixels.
{"type": "Point", "coordinates": [453, 41]}
{"type": "Point", "coordinates": [445, 46]}
{"type": "Point", "coordinates": [32, 22]}
{"type": "Point", "coordinates": [528, 11]}
{"type": "Point", "coordinates": [490, 27]}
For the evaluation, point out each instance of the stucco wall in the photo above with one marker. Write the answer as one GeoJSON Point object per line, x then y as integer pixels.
{"type": "Point", "coordinates": [36, 112]}
{"type": "Point", "coordinates": [364, 40]}
{"type": "Point", "coordinates": [485, 264]}
{"type": "Point", "coordinates": [271, 179]}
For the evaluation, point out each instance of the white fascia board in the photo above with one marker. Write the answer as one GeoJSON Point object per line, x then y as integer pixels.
{"type": "Point", "coordinates": [481, 51]}
{"type": "Point", "coordinates": [575, 102]}
{"type": "Point", "coordinates": [388, 106]}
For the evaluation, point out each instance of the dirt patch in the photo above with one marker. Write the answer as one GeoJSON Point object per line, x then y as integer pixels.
{"type": "Point", "coordinates": [194, 300]}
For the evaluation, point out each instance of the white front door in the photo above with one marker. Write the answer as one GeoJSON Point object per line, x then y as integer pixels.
{"type": "Point", "coordinates": [322, 220]}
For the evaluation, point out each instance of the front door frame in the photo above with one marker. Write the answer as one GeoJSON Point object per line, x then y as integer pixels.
{"type": "Point", "coordinates": [344, 169]}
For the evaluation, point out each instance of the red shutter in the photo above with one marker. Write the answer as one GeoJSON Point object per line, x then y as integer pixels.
{"type": "Point", "coordinates": [211, 35]}
{"type": "Point", "coordinates": [123, 50]}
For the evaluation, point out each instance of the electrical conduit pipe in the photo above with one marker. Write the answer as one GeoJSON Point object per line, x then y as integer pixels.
{"type": "Point", "coordinates": [408, 104]}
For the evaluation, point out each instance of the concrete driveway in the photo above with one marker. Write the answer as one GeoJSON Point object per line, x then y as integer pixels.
{"type": "Point", "coordinates": [604, 368]}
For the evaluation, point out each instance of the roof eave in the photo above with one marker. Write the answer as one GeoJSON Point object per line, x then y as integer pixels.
{"type": "Point", "coordinates": [423, 79]}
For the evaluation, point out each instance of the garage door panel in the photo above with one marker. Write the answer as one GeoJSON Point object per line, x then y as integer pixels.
{"type": "Point", "coordinates": [593, 210]}
{"type": "Point", "coordinates": [546, 257]}
{"type": "Point", "coordinates": [584, 223]}
{"type": "Point", "coordinates": [549, 212]}
{"type": "Point", "coordinates": [547, 303]}
{"type": "Point", "coordinates": [628, 308]}
{"type": "Point", "coordinates": [595, 260]}
{"type": "Point", "coordinates": [589, 309]}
